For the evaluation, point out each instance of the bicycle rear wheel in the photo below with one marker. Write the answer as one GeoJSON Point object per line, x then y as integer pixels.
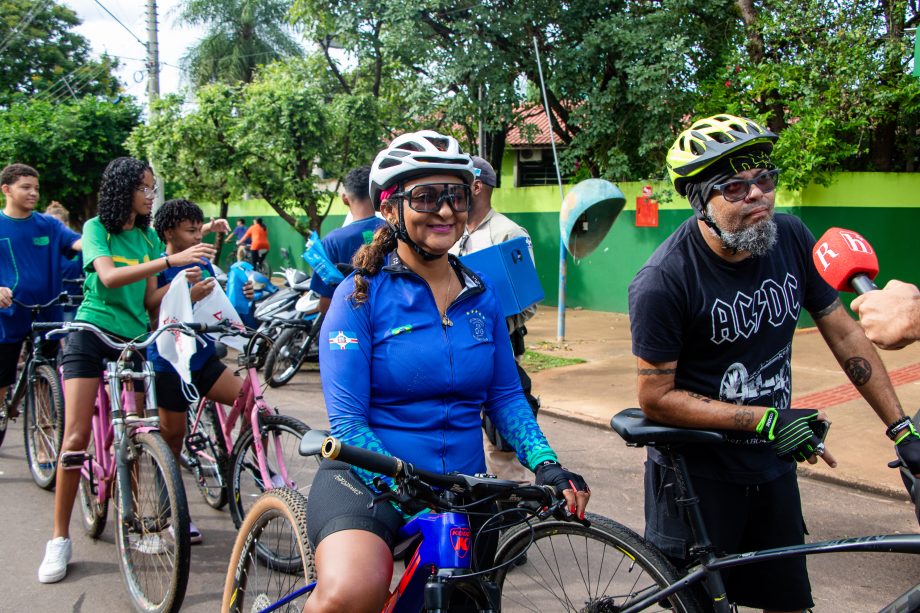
{"type": "Point", "coordinates": [565, 566]}
{"type": "Point", "coordinates": [276, 521]}
{"type": "Point", "coordinates": [207, 455]}
{"type": "Point", "coordinates": [94, 511]}
{"type": "Point", "coordinates": [153, 539]}
{"type": "Point", "coordinates": [43, 425]}
{"type": "Point", "coordinates": [280, 436]}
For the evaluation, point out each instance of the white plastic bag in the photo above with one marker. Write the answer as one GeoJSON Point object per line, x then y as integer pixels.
{"type": "Point", "coordinates": [215, 307]}
{"type": "Point", "coordinates": [175, 347]}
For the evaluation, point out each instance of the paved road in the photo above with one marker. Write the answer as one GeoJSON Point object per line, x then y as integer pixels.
{"type": "Point", "coordinates": [841, 582]}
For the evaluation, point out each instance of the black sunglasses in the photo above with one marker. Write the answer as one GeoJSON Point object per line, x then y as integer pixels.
{"type": "Point", "coordinates": [430, 197]}
{"type": "Point", "coordinates": [737, 190]}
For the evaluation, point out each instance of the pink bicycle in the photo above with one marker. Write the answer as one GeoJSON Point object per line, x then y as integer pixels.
{"type": "Point", "coordinates": [128, 462]}
{"type": "Point", "coordinates": [263, 451]}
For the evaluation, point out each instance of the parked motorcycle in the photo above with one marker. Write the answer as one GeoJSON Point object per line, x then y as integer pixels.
{"type": "Point", "coordinates": [296, 343]}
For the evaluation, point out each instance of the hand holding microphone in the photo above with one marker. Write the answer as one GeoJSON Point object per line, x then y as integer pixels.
{"type": "Point", "coordinates": [890, 317]}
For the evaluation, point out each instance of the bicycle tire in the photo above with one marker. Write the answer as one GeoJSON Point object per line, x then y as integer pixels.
{"type": "Point", "coordinates": [211, 474]}
{"type": "Point", "coordinates": [280, 517]}
{"type": "Point", "coordinates": [246, 478]}
{"type": "Point", "coordinates": [286, 356]}
{"type": "Point", "coordinates": [153, 544]}
{"type": "Point", "coordinates": [43, 425]}
{"type": "Point", "coordinates": [94, 512]}
{"type": "Point", "coordinates": [571, 567]}
{"type": "Point", "coordinates": [4, 415]}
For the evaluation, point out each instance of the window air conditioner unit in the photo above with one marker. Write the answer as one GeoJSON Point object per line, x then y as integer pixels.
{"type": "Point", "coordinates": [530, 155]}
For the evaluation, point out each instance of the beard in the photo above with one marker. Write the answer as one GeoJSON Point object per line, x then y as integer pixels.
{"type": "Point", "coordinates": [756, 239]}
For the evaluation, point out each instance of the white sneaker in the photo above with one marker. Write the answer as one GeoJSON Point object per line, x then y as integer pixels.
{"type": "Point", "coordinates": [194, 534]}
{"type": "Point", "coordinates": [150, 544]}
{"type": "Point", "coordinates": [57, 555]}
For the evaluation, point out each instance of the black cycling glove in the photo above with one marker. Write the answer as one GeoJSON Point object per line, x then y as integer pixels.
{"type": "Point", "coordinates": [795, 434]}
{"type": "Point", "coordinates": [555, 474]}
{"type": "Point", "coordinates": [907, 447]}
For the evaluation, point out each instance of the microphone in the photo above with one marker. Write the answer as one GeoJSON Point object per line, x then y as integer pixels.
{"type": "Point", "coordinates": [846, 261]}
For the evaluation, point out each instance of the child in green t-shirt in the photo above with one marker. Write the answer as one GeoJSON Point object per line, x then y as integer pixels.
{"type": "Point", "coordinates": [121, 256]}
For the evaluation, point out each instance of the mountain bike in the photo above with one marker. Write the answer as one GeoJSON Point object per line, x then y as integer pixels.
{"type": "Point", "coordinates": [438, 547]}
{"type": "Point", "coordinates": [238, 468]}
{"type": "Point", "coordinates": [40, 386]}
{"type": "Point", "coordinates": [706, 567]}
{"type": "Point", "coordinates": [128, 462]}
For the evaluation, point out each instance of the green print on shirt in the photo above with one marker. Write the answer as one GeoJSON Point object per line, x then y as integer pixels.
{"type": "Point", "coordinates": [41, 241]}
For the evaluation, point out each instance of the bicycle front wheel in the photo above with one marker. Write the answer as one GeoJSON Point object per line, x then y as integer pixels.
{"type": "Point", "coordinates": [277, 522]}
{"type": "Point", "coordinates": [280, 440]}
{"type": "Point", "coordinates": [206, 453]}
{"type": "Point", "coordinates": [43, 425]}
{"type": "Point", "coordinates": [565, 566]}
{"type": "Point", "coordinates": [153, 536]}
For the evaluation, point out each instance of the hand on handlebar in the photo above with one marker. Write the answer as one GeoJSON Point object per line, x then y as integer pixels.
{"type": "Point", "coordinates": [569, 485]}
{"type": "Point", "coordinates": [193, 255]}
{"type": "Point", "coordinates": [908, 450]}
{"type": "Point", "coordinates": [797, 434]}
{"type": "Point", "coordinates": [6, 297]}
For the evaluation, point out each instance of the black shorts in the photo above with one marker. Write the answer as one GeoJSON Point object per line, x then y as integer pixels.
{"type": "Point", "coordinates": [9, 361]}
{"type": "Point", "coordinates": [85, 356]}
{"type": "Point", "coordinates": [339, 500]}
{"type": "Point", "coordinates": [738, 518]}
{"type": "Point", "coordinates": [169, 385]}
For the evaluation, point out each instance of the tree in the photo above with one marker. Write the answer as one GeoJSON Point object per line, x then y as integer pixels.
{"type": "Point", "coordinates": [242, 35]}
{"type": "Point", "coordinates": [69, 144]}
{"type": "Point", "coordinates": [41, 55]}
{"type": "Point", "coordinates": [832, 77]}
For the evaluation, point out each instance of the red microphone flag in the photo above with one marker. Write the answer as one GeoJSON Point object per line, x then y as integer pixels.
{"type": "Point", "coordinates": [841, 254]}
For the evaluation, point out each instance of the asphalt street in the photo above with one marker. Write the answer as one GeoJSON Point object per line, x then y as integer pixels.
{"type": "Point", "coordinates": [841, 582]}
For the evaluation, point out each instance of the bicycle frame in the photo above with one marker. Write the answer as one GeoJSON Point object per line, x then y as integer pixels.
{"type": "Point", "coordinates": [246, 408]}
{"type": "Point", "coordinates": [440, 564]}
{"type": "Point", "coordinates": [110, 427]}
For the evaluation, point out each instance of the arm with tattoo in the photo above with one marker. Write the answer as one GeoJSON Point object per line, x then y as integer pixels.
{"type": "Point", "coordinates": [860, 361]}
{"type": "Point", "coordinates": [663, 402]}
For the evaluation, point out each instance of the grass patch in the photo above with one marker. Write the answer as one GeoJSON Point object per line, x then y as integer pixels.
{"type": "Point", "coordinates": [535, 362]}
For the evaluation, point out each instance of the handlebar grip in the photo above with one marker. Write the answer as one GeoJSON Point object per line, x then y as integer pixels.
{"type": "Point", "coordinates": [46, 326]}
{"type": "Point", "coordinates": [334, 449]}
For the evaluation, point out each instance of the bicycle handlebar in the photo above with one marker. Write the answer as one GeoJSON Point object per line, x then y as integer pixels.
{"type": "Point", "coordinates": [62, 298]}
{"type": "Point", "coordinates": [183, 327]}
{"type": "Point", "coordinates": [334, 449]}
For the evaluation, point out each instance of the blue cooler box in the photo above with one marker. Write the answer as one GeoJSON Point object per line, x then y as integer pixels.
{"type": "Point", "coordinates": [509, 267]}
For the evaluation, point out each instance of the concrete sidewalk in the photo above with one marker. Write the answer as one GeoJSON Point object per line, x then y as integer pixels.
{"type": "Point", "coordinates": [606, 383]}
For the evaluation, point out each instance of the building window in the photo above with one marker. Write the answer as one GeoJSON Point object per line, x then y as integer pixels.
{"type": "Point", "coordinates": [536, 167]}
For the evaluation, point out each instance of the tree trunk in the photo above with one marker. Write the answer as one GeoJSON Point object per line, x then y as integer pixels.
{"type": "Point", "coordinates": [771, 101]}
{"type": "Point", "coordinates": [495, 151]}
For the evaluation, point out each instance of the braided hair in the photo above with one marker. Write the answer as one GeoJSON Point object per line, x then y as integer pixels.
{"type": "Point", "coordinates": [116, 193]}
{"type": "Point", "coordinates": [369, 260]}
{"type": "Point", "coordinates": [174, 212]}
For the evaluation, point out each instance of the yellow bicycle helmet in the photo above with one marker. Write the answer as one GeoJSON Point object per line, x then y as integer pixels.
{"type": "Point", "coordinates": [709, 140]}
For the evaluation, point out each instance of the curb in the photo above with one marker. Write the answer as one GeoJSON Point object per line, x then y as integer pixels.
{"type": "Point", "coordinates": [803, 471]}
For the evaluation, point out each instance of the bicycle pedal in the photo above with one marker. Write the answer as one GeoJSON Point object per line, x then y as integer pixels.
{"type": "Point", "coordinates": [196, 442]}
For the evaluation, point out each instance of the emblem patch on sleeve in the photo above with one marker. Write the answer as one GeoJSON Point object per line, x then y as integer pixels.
{"type": "Point", "coordinates": [343, 340]}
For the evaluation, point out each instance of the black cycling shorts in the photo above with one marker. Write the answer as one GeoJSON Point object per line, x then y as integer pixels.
{"type": "Point", "coordinates": [85, 356]}
{"type": "Point", "coordinates": [738, 518]}
{"type": "Point", "coordinates": [169, 385]}
{"type": "Point", "coordinates": [339, 500]}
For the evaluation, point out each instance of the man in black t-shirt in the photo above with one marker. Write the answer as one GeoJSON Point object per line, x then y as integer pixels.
{"type": "Point", "coordinates": [713, 313]}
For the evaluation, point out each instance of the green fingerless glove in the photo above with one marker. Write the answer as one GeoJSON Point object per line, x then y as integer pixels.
{"type": "Point", "coordinates": [795, 434]}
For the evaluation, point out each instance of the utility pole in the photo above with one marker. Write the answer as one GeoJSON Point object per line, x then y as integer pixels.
{"type": "Point", "coordinates": [153, 78]}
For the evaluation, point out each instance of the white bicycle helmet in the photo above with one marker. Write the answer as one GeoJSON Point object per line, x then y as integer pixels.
{"type": "Point", "coordinates": [415, 154]}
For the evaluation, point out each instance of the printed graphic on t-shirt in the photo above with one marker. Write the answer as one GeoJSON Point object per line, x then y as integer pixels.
{"type": "Point", "coordinates": [774, 302]}
{"type": "Point", "coordinates": [769, 384]}
{"type": "Point", "coordinates": [343, 340]}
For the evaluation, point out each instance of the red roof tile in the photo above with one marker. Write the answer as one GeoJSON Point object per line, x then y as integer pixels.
{"type": "Point", "coordinates": [535, 131]}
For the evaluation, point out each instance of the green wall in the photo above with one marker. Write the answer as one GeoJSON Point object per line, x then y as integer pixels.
{"type": "Point", "coordinates": [883, 207]}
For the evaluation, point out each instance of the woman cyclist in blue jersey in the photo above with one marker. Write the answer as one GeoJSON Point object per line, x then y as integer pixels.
{"type": "Point", "coordinates": [414, 345]}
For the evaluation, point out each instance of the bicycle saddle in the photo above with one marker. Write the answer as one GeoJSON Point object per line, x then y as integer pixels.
{"type": "Point", "coordinates": [637, 430]}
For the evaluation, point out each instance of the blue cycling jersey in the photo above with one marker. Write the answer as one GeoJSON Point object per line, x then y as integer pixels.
{"type": "Point", "coordinates": [398, 381]}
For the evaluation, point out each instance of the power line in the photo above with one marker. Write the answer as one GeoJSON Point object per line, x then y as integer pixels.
{"type": "Point", "coordinates": [22, 25]}
{"type": "Point", "coordinates": [118, 21]}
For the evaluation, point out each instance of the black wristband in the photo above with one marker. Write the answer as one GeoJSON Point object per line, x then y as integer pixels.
{"type": "Point", "coordinates": [897, 427]}
{"type": "Point", "coordinates": [166, 258]}
{"type": "Point", "coordinates": [545, 463]}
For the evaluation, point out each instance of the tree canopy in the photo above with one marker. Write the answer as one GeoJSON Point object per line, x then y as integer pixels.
{"type": "Point", "coordinates": [41, 55]}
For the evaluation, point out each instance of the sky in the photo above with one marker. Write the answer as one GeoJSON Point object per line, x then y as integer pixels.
{"type": "Point", "coordinates": [106, 35]}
